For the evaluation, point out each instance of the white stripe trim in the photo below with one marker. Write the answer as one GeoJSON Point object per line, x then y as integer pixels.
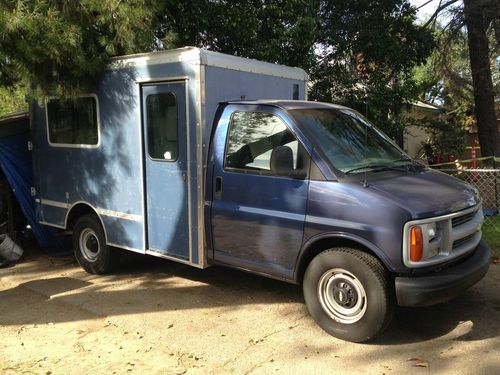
{"type": "Point", "coordinates": [52, 225]}
{"type": "Point", "coordinates": [48, 202]}
{"type": "Point", "coordinates": [100, 211]}
{"type": "Point", "coordinates": [119, 215]}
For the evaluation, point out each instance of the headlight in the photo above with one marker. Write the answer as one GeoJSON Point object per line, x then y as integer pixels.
{"type": "Point", "coordinates": [421, 244]}
{"type": "Point", "coordinates": [431, 231]}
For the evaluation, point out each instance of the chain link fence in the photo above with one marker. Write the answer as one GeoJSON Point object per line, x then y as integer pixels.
{"type": "Point", "coordinates": [484, 175]}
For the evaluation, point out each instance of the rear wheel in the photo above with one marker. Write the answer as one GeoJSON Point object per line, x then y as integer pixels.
{"type": "Point", "coordinates": [89, 245]}
{"type": "Point", "coordinates": [347, 294]}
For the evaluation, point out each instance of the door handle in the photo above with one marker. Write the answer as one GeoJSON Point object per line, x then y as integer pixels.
{"type": "Point", "coordinates": [218, 187]}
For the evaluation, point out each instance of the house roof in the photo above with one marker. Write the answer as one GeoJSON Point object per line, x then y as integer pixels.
{"type": "Point", "coordinates": [426, 106]}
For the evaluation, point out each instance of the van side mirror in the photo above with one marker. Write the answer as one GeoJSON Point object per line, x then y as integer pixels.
{"type": "Point", "coordinates": [282, 163]}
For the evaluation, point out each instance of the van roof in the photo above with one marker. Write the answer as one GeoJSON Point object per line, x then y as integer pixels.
{"type": "Point", "coordinates": [288, 104]}
{"type": "Point", "coordinates": [199, 56]}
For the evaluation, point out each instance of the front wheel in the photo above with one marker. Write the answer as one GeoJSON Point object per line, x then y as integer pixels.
{"type": "Point", "coordinates": [347, 294]}
{"type": "Point", "coordinates": [89, 245]}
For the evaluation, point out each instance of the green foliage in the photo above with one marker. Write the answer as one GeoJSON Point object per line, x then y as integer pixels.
{"type": "Point", "coordinates": [12, 99]}
{"type": "Point", "coordinates": [476, 24]}
{"type": "Point", "coordinates": [357, 53]}
{"type": "Point", "coordinates": [280, 31]}
{"type": "Point", "coordinates": [491, 233]}
{"type": "Point", "coordinates": [446, 78]}
{"type": "Point", "coordinates": [324, 37]}
{"type": "Point", "coordinates": [62, 45]}
{"type": "Point", "coordinates": [368, 50]}
{"type": "Point", "coordinates": [446, 137]}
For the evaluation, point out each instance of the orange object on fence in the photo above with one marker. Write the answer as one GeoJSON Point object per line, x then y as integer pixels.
{"type": "Point", "coordinates": [474, 163]}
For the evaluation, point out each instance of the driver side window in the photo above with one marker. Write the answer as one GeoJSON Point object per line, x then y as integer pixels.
{"type": "Point", "coordinates": [252, 137]}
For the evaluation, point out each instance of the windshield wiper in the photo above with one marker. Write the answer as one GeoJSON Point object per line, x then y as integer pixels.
{"type": "Point", "coordinates": [409, 160]}
{"type": "Point", "coordinates": [413, 164]}
{"type": "Point", "coordinates": [377, 167]}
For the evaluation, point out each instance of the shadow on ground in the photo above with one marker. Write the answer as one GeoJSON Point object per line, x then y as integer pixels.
{"type": "Point", "coordinates": [146, 285]}
{"type": "Point", "coordinates": [411, 325]}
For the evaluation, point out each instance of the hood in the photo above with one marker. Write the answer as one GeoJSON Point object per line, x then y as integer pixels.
{"type": "Point", "coordinates": [425, 194]}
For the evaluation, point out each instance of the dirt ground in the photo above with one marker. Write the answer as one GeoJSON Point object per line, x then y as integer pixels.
{"type": "Point", "coordinates": [158, 317]}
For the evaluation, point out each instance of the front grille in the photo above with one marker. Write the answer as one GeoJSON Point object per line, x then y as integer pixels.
{"type": "Point", "coordinates": [459, 220]}
{"type": "Point", "coordinates": [457, 234]}
{"type": "Point", "coordinates": [462, 241]}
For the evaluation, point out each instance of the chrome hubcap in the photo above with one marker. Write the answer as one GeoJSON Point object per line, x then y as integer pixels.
{"type": "Point", "coordinates": [89, 244]}
{"type": "Point", "coordinates": [342, 296]}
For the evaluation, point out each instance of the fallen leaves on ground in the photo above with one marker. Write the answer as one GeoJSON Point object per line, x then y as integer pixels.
{"type": "Point", "coordinates": [418, 362]}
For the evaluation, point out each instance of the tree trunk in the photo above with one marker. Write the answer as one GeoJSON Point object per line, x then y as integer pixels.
{"type": "Point", "coordinates": [481, 78]}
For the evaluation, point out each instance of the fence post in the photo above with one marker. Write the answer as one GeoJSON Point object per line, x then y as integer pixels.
{"type": "Point", "coordinates": [474, 163]}
{"type": "Point", "coordinates": [495, 172]}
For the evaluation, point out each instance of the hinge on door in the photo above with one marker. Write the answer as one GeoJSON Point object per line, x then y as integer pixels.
{"type": "Point", "coordinates": [33, 191]}
{"type": "Point", "coordinates": [30, 146]}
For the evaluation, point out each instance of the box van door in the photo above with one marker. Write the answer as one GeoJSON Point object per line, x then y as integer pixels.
{"type": "Point", "coordinates": [166, 179]}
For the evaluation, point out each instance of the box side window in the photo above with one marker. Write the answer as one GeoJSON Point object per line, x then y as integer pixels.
{"type": "Point", "coordinates": [162, 126]}
{"type": "Point", "coordinates": [73, 122]}
{"type": "Point", "coordinates": [252, 137]}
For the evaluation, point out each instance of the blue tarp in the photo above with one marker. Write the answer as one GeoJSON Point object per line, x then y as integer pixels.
{"type": "Point", "coordinates": [16, 164]}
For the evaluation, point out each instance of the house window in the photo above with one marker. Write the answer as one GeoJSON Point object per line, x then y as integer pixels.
{"type": "Point", "coordinates": [74, 121]}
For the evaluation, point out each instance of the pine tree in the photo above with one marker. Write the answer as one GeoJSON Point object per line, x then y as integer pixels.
{"type": "Point", "coordinates": [60, 46]}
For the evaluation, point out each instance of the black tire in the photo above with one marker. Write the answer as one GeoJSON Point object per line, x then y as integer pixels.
{"type": "Point", "coordinates": [89, 245]}
{"type": "Point", "coordinates": [347, 293]}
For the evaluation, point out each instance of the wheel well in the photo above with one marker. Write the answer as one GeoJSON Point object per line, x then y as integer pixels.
{"type": "Point", "coordinates": [77, 212]}
{"type": "Point", "coordinates": [325, 244]}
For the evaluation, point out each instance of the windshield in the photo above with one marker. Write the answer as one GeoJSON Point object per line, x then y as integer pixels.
{"type": "Point", "coordinates": [349, 142]}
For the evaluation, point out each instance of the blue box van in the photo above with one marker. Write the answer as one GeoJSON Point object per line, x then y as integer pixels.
{"type": "Point", "coordinates": [170, 157]}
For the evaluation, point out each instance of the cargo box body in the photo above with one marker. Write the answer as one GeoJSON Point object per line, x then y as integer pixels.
{"type": "Point", "coordinates": [140, 164]}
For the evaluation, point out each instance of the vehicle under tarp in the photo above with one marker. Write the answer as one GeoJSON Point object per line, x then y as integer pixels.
{"type": "Point", "coordinates": [17, 170]}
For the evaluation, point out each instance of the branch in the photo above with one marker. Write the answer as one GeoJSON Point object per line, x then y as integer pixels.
{"type": "Point", "coordinates": [438, 10]}
{"type": "Point", "coordinates": [424, 4]}
{"type": "Point", "coordinates": [455, 25]}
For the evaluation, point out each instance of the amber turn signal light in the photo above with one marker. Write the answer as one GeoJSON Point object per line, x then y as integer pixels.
{"type": "Point", "coordinates": [416, 244]}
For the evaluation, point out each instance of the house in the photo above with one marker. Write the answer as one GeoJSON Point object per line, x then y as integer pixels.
{"type": "Point", "coordinates": [415, 136]}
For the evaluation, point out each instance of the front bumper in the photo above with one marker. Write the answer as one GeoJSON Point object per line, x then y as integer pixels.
{"type": "Point", "coordinates": [446, 284]}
